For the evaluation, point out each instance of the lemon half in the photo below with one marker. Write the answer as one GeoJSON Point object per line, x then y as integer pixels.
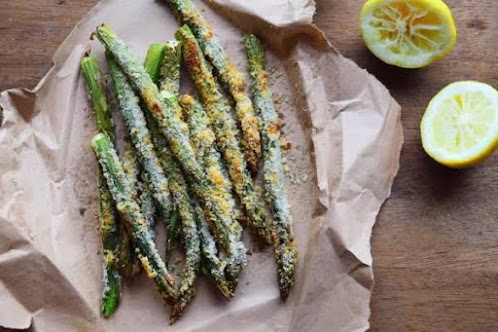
{"type": "Point", "coordinates": [460, 126]}
{"type": "Point", "coordinates": [408, 33]}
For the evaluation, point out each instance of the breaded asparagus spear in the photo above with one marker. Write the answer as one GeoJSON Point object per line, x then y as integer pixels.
{"type": "Point", "coordinates": [170, 86]}
{"type": "Point", "coordinates": [225, 129]}
{"type": "Point", "coordinates": [202, 140]}
{"type": "Point", "coordinates": [129, 261]}
{"type": "Point", "coordinates": [285, 246]}
{"type": "Point", "coordinates": [153, 59]}
{"type": "Point", "coordinates": [169, 73]}
{"type": "Point", "coordinates": [229, 75]}
{"type": "Point", "coordinates": [186, 222]}
{"type": "Point", "coordinates": [140, 184]}
{"type": "Point", "coordinates": [152, 65]}
{"type": "Point", "coordinates": [109, 231]}
{"type": "Point", "coordinates": [211, 264]}
{"type": "Point", "coordinates": [129, 210]}
{"type": "Point", "coordinates": [140, 136]}
{"type": "Point", "coordinates": [109, 228]}
{"type": "Point", "coordinates": [179, 190]}
{"type": "Point", "coordinates": [162, 112]}
{"type": "Point", "coordinates": [181, 197]}
{"type": "Point", "coordinates": [169, 80]}
{"type": "Point", "coordinates": [171, 127]}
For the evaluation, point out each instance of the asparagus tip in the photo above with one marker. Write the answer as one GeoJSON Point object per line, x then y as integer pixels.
{"type": "Point", "coordinates": [176, 312]}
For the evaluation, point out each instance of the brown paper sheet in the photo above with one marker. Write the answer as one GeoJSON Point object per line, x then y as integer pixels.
{"type": "Point", "coordinates": [346, 134]}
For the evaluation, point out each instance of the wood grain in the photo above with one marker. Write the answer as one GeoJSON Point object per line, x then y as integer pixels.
{"type": "Point", "coordinates": [435, 244]}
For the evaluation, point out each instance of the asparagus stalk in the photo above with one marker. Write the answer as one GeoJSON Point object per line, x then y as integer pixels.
{"type": "Point", "coordinates": [162, 112]}
{"type": "Point", "coordinates": [95, 84]}
{"type": "Point", "coordinates": [109, 231]}
{"type": "Point", "coordinates": [153, 59]}
{"type": "Point", "coordinates": [225, 129]}
{"type": "Point", "coordinates": [140, 185]}
{"type": "Point", "coordinates": [178, 187]}
{"type": "Point", "coordinates": [109, 228]}
{"type": "Point", "coordinates": [202, 140]}
{"type": "Point", "coordinates": [169, 73]}
{"type": "Point", "coordinates": [171, 127]}
{"type": "Point", "coordinates": [129, 210]}
{"type": "Point", "coordinates": [185, 221]}
{"type": "Point", "coordinates": [169, 82]}
{"type": "Point", "coordinates": [140, 136]}
{"type": "Point", "coordinates": [147, 202]}
{"type": "Point", "coordinates": [170, 87]}
{"type": "Point", "coordinates": [284, 246]}
{"type": "Point", "coordinates": [179, 191]}
{"type": "Point", "coordinates": [211, 264]}
{"type": "Point", "coordinates": [229, 75]}
{"type": "Point", "coordinates": [129, 262]}
{"type": "Point", "coordinates": [152, 66]}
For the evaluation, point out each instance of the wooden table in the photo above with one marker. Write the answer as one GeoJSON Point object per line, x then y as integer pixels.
{"type": "Point", "coordinates": [435, 244]}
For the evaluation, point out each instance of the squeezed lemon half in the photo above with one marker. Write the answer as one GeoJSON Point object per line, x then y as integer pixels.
{"type": "Point", "coordinates": [408, 33]}
{"type": "Point", "coordinates": [460, 126]}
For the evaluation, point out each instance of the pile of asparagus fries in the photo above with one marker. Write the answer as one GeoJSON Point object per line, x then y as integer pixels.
{"type": "Point", "coordinates": [189, 162]}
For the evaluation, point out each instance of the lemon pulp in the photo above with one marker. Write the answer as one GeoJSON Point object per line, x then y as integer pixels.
{"type": "Point", "coordinates": [460, 125]}
{"type": "Point", "coordinates": [408, 33]}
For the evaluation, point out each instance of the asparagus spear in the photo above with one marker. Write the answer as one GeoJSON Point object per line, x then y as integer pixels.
{"type": "Point", "coordinates": [140, 136]}
{"type": "Point", "coordinates": [147, 202]}
{"type": "Point", "coordinates": [225, 129]}
{"type": "Point", "coordinates": [109, 231]}
{"type": "Point", "coordinates": [140, 185]}
{"type": "Point", "coordinates": [285, 246]}
{"type": "Point", "coordinates": [179, 191]}
{"type": "Point", "coordinates": [129, 262]}
{"type": "Point", "coordinates": [170, 87]}
{"type": "Point", "coordinates": [186, 219]}
{"type": "Point", "coordinates": [178, 187]}
{"type": "Point", "coordinates": [211, 264]}
{"type": "Point", "coordinates": [229, 75]}
{"type": "Point", "coordinates": [152, 66]}
{"type": "Point", "coordinates": [169, 73]}
{"type": "Point", "coordinates": [153, 59]}
{"type": "Point", "coordinates": [171, 127]}
{"type": "Point", "coordinates": [162, 112]}
{"type": "Point", "coordinates": [202, 140]}
{"type": "Point", "coordinates": [109, 228]}
{"type": "Point", "coordinates": [129, 210]}
{"type": "Point", "coordinates": [169, 80]}
{"type": "Point", "coordinates": [95, 84]}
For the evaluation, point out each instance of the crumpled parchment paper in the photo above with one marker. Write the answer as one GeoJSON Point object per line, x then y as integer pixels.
{"type": "Point", "coordinates": [346, 134]}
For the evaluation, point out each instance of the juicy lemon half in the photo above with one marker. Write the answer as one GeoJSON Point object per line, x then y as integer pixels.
{"type": "Point", "coordinates": [408, 33]}
{"type": "Point", "coordinates": [460, 126]}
